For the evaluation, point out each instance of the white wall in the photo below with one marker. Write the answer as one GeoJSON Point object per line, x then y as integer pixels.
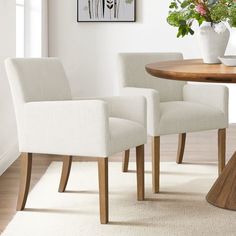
{"type": "Point", "coordinates": [35, 28]}
{"type": "Point", "coordinates": [8, 138]}
{"type": "Point", "coordinates": [89, 50]}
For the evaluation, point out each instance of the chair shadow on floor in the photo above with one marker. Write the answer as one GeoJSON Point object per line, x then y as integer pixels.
{"type": "Point", "coordinates": [172, 172]}
{"type": "Point", "coordinates": [53, 211]}
{"type": "Point", "coordinates": [200, 163]}
{"type": "Point", "coordinates": [82, 191]}
{"type": "Point", "coordinates": [134, 171]}
{"type": "Point", "coordinates": [169, 200]}
{"type": "Point", "coordinates": [76, 212]}
{"type": "Point", "coordinates": [181, 193]}
{"type": "Point", "coordinates": [95, 192]}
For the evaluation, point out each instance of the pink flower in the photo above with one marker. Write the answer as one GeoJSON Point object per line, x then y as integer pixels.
{"type": "Point", "coordinates": [201, 10]}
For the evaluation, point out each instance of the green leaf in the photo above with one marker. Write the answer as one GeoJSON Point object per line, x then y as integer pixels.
{"type": "Point", "coordinates": [185, 3]}
{"type": "Point", "coordinates": [183, 13]}
{"type": "Point", "coordinates": [191, 31]}
{"type": "Point", "coordinates": [173, 5]}
{"type": "Point", "coordinates": [182, 22]}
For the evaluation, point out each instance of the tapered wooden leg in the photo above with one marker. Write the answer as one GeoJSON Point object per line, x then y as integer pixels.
{"type": "Point", "coordinates": [181, 145]}
{"type": "Point", "coordinates": [221, 149]}
{"type": "Point", "coordinates": [125, 162]}
{"type": "Point", "coordinates": [140, 172]}
{"type": "Point", "coordinates": [67, 160]}
{"type": "Point", "coordinates": [25, 175]}
{"type": "Point", "coordinates": [103, 189]}
{"type": "Point", "coordinates": [155, 164]}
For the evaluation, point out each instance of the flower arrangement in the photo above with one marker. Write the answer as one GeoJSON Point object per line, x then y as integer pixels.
{"type": "Point", "coordinates": [183, 13]}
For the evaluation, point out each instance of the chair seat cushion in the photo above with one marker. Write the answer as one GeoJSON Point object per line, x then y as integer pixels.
{"type": "Point", "coordinates": [182, 117]}
{"type": "Point", "coordinates": [125, 134]}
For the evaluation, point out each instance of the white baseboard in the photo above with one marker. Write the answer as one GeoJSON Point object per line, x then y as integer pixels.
{"type": "Point", "coordinates": [7, 158]}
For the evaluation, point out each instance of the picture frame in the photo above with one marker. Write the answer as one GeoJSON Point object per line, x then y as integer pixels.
{"type": "Point", "coordinates": [106, 10]}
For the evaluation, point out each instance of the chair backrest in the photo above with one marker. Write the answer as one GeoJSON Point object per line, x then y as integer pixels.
{"type": "Point", "coordinates": [133, 74]}
{"type": "Point", "coordinates": [36, 79]}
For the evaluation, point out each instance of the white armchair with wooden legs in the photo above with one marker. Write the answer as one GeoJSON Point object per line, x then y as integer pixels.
{"type": "Point", "coordinates": [49, 121]}
{"type": "Point", "coordinates": [173, 107]}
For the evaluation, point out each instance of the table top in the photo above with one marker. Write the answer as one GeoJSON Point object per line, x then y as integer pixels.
{"type": "Point", "coordinates": [192, 70]}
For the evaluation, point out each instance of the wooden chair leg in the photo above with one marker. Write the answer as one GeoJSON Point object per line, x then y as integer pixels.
{"type": "Point", "coordinates": [67, 160]}
{"type": "Point", "coordinates": [125, 161]}
{"type": "Point", "coordinates": [181, 146]}
{"type": "Point", "coordinates": [221, 149]}
{"type": "Point", "coordinates": [103, 189]}
{"type": "Point", "coordinates": [140, 172]}
{"type": "Point", "coordinates": [25, 175]}
{"type": "Point", "coordinates": [155, 164]}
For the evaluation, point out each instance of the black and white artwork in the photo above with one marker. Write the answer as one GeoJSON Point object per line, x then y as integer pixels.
{"type": "Point", "coordinates": [106, 10]}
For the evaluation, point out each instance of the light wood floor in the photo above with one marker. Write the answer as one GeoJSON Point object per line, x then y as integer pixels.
{"type": "Point", "coordinates": [200, 147]}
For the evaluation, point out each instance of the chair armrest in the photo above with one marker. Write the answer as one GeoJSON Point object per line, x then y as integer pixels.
{"type": "Point", "coordinates": [216, 96]}
{"type": "Point", "coordinates": [65, 128]}
{"type": "Point", "coordinates": [153, 106]}
{"type": "Point", "coordinates": [126, 107]}
{"type": "Point", "coordinates": [132, 108]}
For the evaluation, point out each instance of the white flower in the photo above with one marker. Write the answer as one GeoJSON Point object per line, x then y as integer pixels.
{"type": "Point", "coordinates": [219, 28]}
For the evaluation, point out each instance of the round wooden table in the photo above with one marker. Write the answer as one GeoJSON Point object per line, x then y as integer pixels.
{"type": "Point", "coordinates": [223, 192]}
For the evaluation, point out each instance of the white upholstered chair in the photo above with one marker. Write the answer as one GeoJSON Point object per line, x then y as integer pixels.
{"type": "Point", "coordinates": [173, 107]}
{"type": "Point", "coordinates": [49, 121]}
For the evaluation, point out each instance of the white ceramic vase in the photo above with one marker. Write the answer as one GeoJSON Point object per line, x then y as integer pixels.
{"type": "Point", "coordinates": [212, 43]}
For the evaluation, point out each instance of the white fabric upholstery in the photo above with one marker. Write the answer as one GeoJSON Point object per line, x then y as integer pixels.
{"type": "Point", "coordinates": [126, 107]}
{"type": "Point", "coordinates": [153, 106]}
{"type": "Point", "coordinates": [186, 117]}
{"type": "Point", "coordinates": [133, 74]}
{"type": "Point", "coordinates": [65, 127]}
{"type": "Point", "coordinates": [173, 107]}
{"type": "Point", "coordinates": [212, 95]}
{"type": "Point", "coordinates": [36, 80]}
{"type": "Point", "coordinates": [124, 133]}
{"type": "Point", "coordinates": [49, 121]}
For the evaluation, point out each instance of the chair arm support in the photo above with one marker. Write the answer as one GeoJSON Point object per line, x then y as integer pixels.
{"type": "Point", "coordinates": [65, 128]}
{"type": "Point", "coordinates": [126, 107]}
{"type": "Point", "coordinates": [153, 106]}
{"type": "Point", "coordinates": [216, 96]}
{"type": "Point", "coordinates": [132, 108]}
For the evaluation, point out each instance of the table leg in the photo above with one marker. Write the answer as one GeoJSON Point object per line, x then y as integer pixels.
{"type": "Point", "coordinates": [223, 192]}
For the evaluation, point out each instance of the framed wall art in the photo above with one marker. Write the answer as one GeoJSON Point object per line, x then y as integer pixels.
{"type": "Point", "coordinates": [106, 10]}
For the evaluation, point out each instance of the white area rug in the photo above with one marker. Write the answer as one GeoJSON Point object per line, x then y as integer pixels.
{"type": "Point", "coordinates": [180, 208]}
